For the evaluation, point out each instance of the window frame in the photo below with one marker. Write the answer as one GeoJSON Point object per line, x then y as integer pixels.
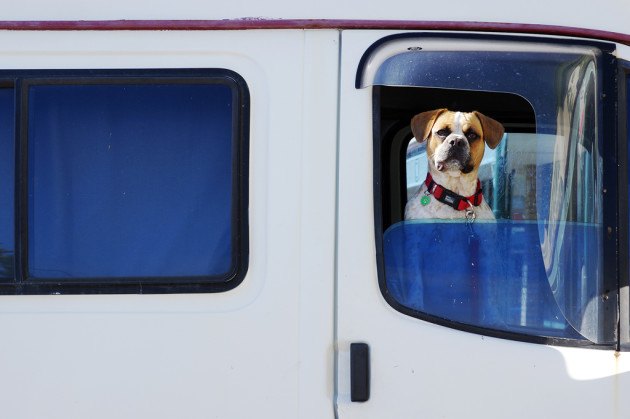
{"type": "Point", "coordinates": [623, 232]}
{"type": "Point", "coordinates": [23, 284]}
{"type": "Point", "coordinates": [609, 154]}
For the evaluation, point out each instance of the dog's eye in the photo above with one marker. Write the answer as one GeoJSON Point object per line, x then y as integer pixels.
{"type": "Point", "coordinates": [443, 133]}
{"type": "Point", "coordinates": [471, 135]}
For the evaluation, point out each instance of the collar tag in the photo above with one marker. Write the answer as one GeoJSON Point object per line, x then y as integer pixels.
{"type": "Point", "coordinates": [470, 214]}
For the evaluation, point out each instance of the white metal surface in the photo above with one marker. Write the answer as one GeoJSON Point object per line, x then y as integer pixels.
{"type": "Point", "coordinates": [264, 349]}
{"type": "Point", "coordinates": [609, 15]}
{"type": "Point", "coordinates": [267, 348]}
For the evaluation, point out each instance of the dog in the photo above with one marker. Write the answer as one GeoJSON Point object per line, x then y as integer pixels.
{"type": "Point", "coordinates": [455, 146]}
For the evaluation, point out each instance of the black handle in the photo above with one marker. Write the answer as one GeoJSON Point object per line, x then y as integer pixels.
{"type": "Point", "coordinates": [359, 372]}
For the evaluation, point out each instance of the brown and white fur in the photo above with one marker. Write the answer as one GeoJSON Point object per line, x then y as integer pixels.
{"type": "Point", "coordinates": [455, 146]}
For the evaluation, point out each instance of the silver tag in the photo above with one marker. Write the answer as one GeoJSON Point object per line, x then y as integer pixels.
{"type": "Point", "coordinates": [470, 214]}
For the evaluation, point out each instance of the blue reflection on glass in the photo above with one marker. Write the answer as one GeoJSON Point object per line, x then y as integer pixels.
{"type": "Point", "coordinates": [7, 179]}
{"type": "Point", "coordinates": [129, 180]}
{"type": "Point", "coordinates": [533, 75]}
{"type": "Point", "coordinates": [489, 274]}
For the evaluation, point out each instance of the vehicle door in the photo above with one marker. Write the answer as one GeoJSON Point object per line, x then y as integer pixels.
{"type": "Point", "coordinates": [157, 259]}
{"type": "Point", "coordinates": [516, 316]}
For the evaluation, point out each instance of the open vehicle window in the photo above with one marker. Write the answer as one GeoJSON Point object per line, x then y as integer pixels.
{"type": "Point", "coordinates": [129, 181]}
{"type": "Point", "coordinates": [537, 269]}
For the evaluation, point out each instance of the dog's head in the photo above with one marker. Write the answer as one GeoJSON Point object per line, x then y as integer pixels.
{"type": "Point", "coordinates": [455, 140]}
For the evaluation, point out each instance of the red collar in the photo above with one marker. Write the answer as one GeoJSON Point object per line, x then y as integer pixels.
{"type": "Point", "coordinates": [452, 199]}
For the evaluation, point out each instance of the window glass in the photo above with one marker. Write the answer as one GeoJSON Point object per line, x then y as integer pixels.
{"type": "Point", "coordinates": [130, 180]}
{"type": "Point", "coordinates": [490, 273]}
{"type": "Point", "coordinates": [7, 176]}
{"type": "Point", "coordinates": [536, 267]}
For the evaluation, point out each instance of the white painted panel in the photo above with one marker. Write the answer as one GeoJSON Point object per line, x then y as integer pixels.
{"type": "Point", "coordinates": [317, 236]}
{"type": "Point", "coordinates": [263, 349]}
{"type": "Point", "coordinates": [623, 52]}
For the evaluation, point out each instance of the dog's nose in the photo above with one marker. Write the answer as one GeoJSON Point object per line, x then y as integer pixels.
{"type": "Point", "coordinates": [457, 141]}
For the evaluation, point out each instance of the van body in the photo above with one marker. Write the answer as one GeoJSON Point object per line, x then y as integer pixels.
{"type": "Point", "coordinates": [202, 211]}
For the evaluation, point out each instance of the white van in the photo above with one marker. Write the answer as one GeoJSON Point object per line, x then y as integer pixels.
{"type": "Point", "coordinates": [202, 212]}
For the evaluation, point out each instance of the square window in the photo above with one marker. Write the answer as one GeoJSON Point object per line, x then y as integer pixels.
{"type": "Point", "coordinates": [130, 182]}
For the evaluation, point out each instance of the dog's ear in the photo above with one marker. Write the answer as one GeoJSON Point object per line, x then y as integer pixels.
{"type": "Point", "coordinates": [492, 130]}
{"type": "Point", "coordinates": [422, 123]}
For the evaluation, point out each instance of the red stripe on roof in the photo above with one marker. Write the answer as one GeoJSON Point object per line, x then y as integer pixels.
{"type": "Point", "coordinates": [254, 23]}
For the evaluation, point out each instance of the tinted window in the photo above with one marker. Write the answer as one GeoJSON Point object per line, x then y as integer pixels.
{"type": "Point", "coordinates": [130, 182]}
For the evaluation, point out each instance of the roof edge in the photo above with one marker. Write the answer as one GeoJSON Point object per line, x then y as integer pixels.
{"type": "Point", "coordinates": [263, 23]}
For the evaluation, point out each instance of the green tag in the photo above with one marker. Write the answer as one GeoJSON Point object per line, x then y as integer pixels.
{"type": "Point", "coordinates": [425, 200]}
